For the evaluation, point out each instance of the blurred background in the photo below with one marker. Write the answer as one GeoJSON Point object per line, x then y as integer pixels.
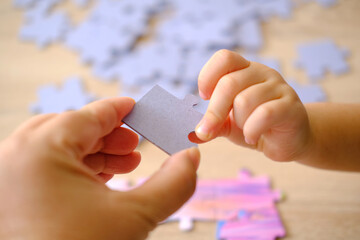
{"type": "Point", "coordinates": [54, 51]}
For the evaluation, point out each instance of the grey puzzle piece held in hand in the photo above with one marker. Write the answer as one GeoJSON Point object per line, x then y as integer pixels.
{"type": "Point", "coordinates": [165, 120]}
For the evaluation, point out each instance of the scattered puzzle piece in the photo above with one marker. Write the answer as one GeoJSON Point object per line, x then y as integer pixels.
{"type": "Point", "coordinates": [223, 199]}
{"type": "Point", "coordinates": [281, 8]}
{"type": "Point", "coordinates": [261, 223]}
{"type": "Point", "coordinates": [45, 29]}
{"type": "Point", "coordinates": [270, 62]}
{"type": "Point", "coordinates": [327, 3]}
{"type": "Point", "coordinates": [193, 62]}
{"type": "Point", "coordinates": [54, 100]}
{"type": "Point", "coordinates": [308, 93]}
{"type": "Point", "coordinates": [24, 3]}
{"type": "Point", "coordinates": [81, 3]}
{"type": "Point", "coordinates": [324, 3]}
{"type": "Point", "coordinates": [321, 56]}
{"type": "Point", "coordinates": [164, 120]}
{"type": "Point", "coordinates": [244, 206]}
{"type": "Point", "coordinates": [101, 49]}
{"type": "Point", "coordinates": [250, 35]}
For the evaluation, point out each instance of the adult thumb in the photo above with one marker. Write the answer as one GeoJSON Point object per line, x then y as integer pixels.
{"type": "Point", "coordinates": [171, 186]}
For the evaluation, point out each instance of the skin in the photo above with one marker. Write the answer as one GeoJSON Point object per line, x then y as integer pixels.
{"type": "Point", "coordinates": [53, 169]}
{"type": "Point", "coordinates": [253, 106]}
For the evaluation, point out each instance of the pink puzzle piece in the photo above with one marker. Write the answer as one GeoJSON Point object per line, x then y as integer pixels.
{"type": "Point", "coordinates": [223, 199]}
{"type": "Point", "coordinates": [244, 206]}
{"type": "Point", "coordinates": [258, 224]}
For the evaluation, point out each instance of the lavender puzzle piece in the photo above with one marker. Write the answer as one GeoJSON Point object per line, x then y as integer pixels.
{"type": "Point", "coordinates": [321, 56]}
{"type": "Point", "coordinates": [38, 9]}
{"type": "Point", "coordinates": [250, 34]}
{"type": "Point", "coordinates": [308, 93]}
{"type": "Point", "coordinates": [116, 24]}
{"type": "Point", "coordinates": [179, 91]}
{"type": "Point", "coordinates": [324, 3]}
{"type": "Point", "coordinates": [270, 62]}
{"type": "Point", "coordinates": [81, 3]}
{"type": "Point", "coordinates": [164, 120]}
{"type": "Point", "coordinates": [269, 8]}
{"type": "Point", "coordinates": [155, 62]}
{"type": "Point", "coordinates": [23, 3]}
{"type": "Point", "coordinates": [213, 33]}
{"type": "Point", "coordinates": [55, 100]}
{"type": "Point", "coordinates": [327, 3]}
{"type": "Point", "coordinates": [45, 29]}
{"type": "Point", "coordinates": [193, 62]}
{"type": "Point", "coordinates": [99, 49]}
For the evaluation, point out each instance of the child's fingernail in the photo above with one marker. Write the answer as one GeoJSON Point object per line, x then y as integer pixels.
{"type": "Point", "coordinates": [202, 130]}
{"type": "Point", "coordinates": [194, 155]}
{"type": "Point", "coordinates": [249, 141]}
{"type": "Point", "coordinates": [202, 95]}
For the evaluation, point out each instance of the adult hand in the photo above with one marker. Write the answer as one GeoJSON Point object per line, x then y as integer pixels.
{"type": "Point", "coordinates": [53, 169]}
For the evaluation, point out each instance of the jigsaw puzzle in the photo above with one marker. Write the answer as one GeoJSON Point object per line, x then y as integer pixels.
{"type": "Point", "coordinates": [318, 57]}
{"type": "Point", "coordinates": [45, 29]}
{"type": "Point", "coordinates": [81, 3]}
{"type": "Point", "coordinates": [270, 62]}
{"type": "Point", "coordinates": [255, 224]}
{"type": "Point", "coordinates": [56, 100]}
{"type": "Point", "coordinates": [181, 44]}
{"type": "Point", "coordinates": [223, 199]}
{"type": "Point", "coordinates": [250, 35]}
{"type": "Point", "coordinates": [244, 206]}
{"type": "Point", "coordinates": [308, 93]}
{"type": "Point", "coordinates": [324, 3]}
{"type": "Point", "coordinates": [165, 120]}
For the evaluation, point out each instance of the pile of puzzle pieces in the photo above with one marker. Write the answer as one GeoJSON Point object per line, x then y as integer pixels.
{"type": "Point", "coordinates": [180, 43]}
{"type": "Point", "coordinates": [245, 207]}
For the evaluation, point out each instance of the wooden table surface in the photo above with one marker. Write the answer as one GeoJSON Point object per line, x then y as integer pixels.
{"type": "Point", "coordinates": [319, 204]}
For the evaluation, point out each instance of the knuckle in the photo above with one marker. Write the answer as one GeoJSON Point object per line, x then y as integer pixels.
{"type": "Point", "coordinates": [272, 73]}
{"type": "Point", "coordinates": [228, 83]}
{"type": "Point", "coordinates": [241, 102]}
{"type": "Point", "coordinates": [266, 112]}
{"type": "Point", "coordinates": [241, 106]}
{"type": "Point", "coordinates": [63, 140]}
{"type": "Point", "coordinates": [290, 93]}
{"type": "Point", "coordinates": [225, 55]}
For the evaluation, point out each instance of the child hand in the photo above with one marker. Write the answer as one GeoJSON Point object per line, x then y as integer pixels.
{"type": "Point", "coordinates": [252, 105]}
{"type": "Point", "coordinates": [53, 169]}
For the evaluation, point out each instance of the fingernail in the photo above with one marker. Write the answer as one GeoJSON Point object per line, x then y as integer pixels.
{"type": "Point", "coordinates": [194, 155]}
{"type": "Point", "coordinates": [202, 132]}
{"type": "Point", "coordinates": [202, 95]}
{"type": "Point", "coordinates": [203, 129]}
{"type": "Point", "coordinates": [249, 141]}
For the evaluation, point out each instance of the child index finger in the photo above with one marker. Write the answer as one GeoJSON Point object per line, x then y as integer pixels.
{"type": "Point", "coordinates": [220, 64]}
